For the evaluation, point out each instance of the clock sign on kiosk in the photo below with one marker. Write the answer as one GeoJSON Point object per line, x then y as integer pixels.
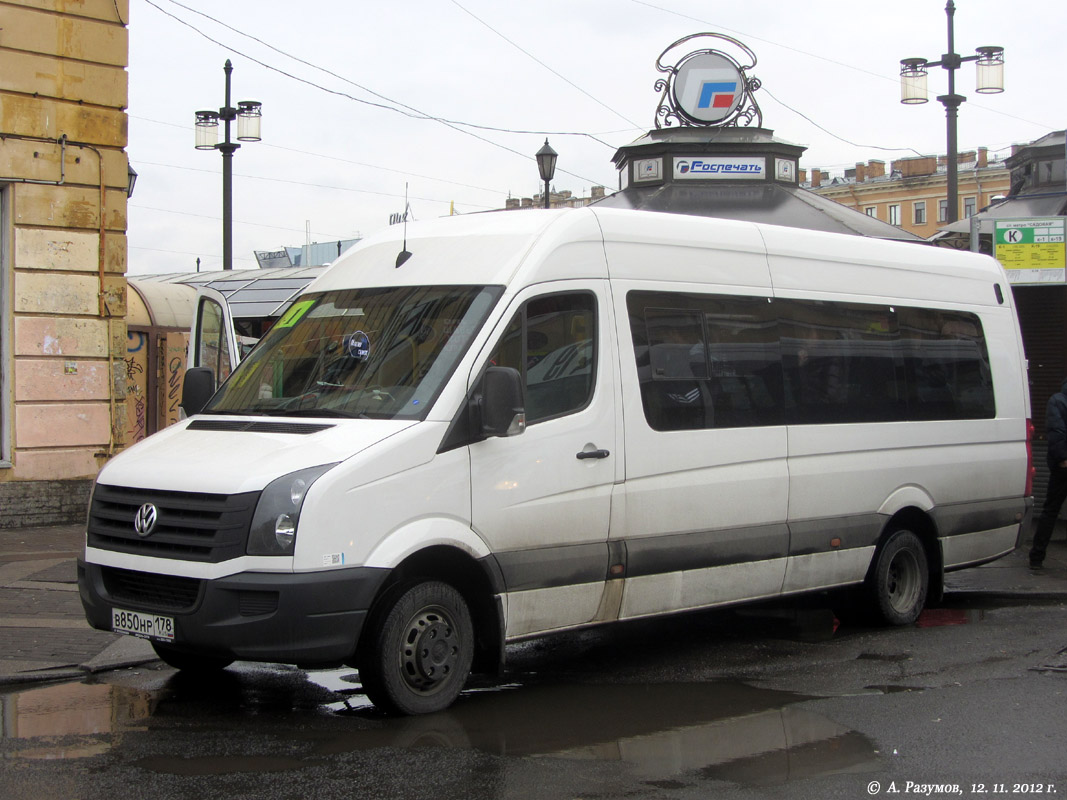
{"type": "Point", "coordinates": [708, 87]}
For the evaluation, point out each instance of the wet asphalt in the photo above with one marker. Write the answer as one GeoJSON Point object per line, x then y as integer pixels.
{"type": "Point", "coordinates": [770, 701]}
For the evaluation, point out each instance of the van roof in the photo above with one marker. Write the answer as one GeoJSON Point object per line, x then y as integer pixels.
{"type": "Point", "coordinates": [491, 248]}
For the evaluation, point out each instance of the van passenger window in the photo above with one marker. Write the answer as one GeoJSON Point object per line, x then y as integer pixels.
{"type": "Point", "coordinates": [717, 361]}
{"type": "Point", "coordinates": [947, 365]}
{"type": "Point", "coordinates": [842, 362]}
{"type": "Point", "coordinates": [551, 341]}
{"type": "Point", "coordinates": [706, 361]}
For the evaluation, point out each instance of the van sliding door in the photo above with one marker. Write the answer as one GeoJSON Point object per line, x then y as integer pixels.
{"type": "Point", "coordinates": [703, 516]}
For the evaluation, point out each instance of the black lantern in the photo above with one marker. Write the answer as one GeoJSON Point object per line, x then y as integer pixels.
{"type": "Point", "coordinates": [131, 180]}
{"type": "Point", "coordinates": [546, 165]}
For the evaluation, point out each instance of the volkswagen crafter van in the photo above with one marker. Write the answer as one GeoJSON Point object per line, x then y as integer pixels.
{"type": "Point", "coordinates": [519, 423]}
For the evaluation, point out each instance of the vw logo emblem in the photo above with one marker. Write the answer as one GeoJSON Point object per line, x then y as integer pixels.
{"type": "Point", "coordinates": [145, 519]}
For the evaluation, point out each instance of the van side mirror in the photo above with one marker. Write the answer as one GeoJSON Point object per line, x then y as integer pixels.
{"type": "Point", "coordinates": [502, 405]}
{"type": "Point", "coordinates": [197, 389]}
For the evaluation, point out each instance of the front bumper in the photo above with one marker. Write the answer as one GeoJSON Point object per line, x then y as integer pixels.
{"type": "Point", "coordinates": [306, 618]}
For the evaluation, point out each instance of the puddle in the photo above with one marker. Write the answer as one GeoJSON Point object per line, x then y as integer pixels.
{"type": "Point", "coordinates": [888, 688]}
{"type": "Point", "coordinates": [729, 731]}
{"type": "Point", "coordinates": [292, 720]}
{"type": "Point", "coordinates": [939, 617]}
{"type": "Point", "coordinates": [793, 622]}
{"type": "Point", "coordinates": [65, 720]}
{"type": "Point", "coordinates": [891, 658]}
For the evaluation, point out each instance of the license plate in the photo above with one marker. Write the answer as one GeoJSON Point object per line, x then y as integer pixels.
{"type": "Point", "coordinates": [146, 626]}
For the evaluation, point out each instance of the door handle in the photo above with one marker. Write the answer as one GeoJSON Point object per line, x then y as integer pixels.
{"type": "Point", "coordinates": [593, 454]}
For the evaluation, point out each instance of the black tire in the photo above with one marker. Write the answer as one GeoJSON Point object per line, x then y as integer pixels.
{"type": "Point", "coordinates": [189, 662]}
{"type": "Point", "coordinates": [419, 650]}
{"type": "Point", "coordinates": [900, 579]}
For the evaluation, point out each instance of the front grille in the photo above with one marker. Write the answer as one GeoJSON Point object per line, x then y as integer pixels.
{"type": "Point", "coordinates": [258, 426]}
{"type": "Point", "coordinates": [158, 592]}
{"type": "Point", "coordinates": [190, 526]}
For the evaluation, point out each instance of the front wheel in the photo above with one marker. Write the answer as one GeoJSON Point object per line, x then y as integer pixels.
{"type": "Point", "coordinates": [900, 579]}
{"type": "Point", "coordinates": [419, 651]}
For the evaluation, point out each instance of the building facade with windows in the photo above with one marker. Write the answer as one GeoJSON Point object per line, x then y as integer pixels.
{"type": "Point", "coordinates": [912, 193]}
{"type": "Point", "coordinates": [563, 199]}
{"type": "Point", "coordinates": [64, 180]}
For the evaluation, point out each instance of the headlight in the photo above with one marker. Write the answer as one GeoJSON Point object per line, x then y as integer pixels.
{"type": "Point", "coordinates": [278, 513]}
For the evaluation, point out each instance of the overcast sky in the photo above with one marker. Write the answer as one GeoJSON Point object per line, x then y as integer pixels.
{"type": "Point", "coordinates": [347, 87]}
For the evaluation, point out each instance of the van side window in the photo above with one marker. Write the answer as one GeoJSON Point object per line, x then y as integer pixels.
{"type": "Point", "coordinates": [551, 341]}
{"type": "Point", "coordinates": [947, 364]}
{"type": "Point", "coordinates": [214, 347]}
{"type": "Point", "coordinates": [706, 361]}
{"type": "Point", "coordinates": [842, 362]}
{"type": "Point", "coordinates": [716, 361]}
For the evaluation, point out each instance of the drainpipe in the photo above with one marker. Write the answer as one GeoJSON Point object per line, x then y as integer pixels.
{"type": "Point", "coordinates": [855, 199]}
{"type": "Point", "coordinates": [104, 311]}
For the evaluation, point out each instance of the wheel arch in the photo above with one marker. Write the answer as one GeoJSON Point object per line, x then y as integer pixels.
{"type": "Point", "coordinates": [920, 522]}
{"type": "Point", "coordinates": [478, 580]}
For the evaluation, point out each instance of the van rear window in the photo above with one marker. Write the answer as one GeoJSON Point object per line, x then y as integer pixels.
{"type": "Point", "coordinates": [719, 361]}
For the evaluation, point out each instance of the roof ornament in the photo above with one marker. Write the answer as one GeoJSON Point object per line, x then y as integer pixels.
{"type": "Point", "coordinates": [707, 88]}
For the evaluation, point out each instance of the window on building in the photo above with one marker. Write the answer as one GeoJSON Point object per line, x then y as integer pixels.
{"type": "Point", "coordinates": [970, 206]}
{"type": "Point", "coordinates": [894, 214]}
{"type": "Point", "coordinates": [871, 211]}
{"type": "Point", "coordinates": [920, 212]}
{"type": "Point", "coordinates": [942, 210]}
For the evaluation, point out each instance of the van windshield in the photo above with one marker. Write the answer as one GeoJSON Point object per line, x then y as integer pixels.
{"type": "Point", "coordinates": [380, 353]}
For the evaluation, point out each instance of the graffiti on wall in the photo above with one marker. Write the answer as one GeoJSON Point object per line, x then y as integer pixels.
{"type": "Point", "coordinates": [171, 388]}
{"type": "Point", "coordinates": [137, 345]}
{"type": "Point", "coordinates": [153, 401]}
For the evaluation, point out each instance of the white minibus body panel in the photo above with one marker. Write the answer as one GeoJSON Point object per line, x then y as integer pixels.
{"type": "Point", "coordinates": [484, 428]}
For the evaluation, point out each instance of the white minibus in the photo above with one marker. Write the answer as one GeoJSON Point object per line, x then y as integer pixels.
{"type": "Point", "coordinates": [515, 423]}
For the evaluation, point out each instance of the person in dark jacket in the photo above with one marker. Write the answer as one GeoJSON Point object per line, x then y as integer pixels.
{"type": "Point", "coordinates": [1056, 426]}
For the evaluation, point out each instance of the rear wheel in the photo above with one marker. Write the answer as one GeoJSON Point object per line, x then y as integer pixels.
{"type": "Point", "coordinates": [419, 651]}
{"type": "Point", "coordinates": [189, 662]}
{"type": "Point", "coordinates": [898, 585]}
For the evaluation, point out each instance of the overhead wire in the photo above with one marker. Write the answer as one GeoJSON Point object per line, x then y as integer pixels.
{"type": "Point", "coordinates": [526, 52]}
{"type": "Point", "coordinates": [417, 113]}
{"type": "Point", "coordinates": [846, 65]}
{"type": "Point", "coordinates": [328, 236]}
{"type": "Point", "coordinates": [766, 91]}
{"type": "Point", "coordinates": [336, 158]}
{"type": "Point", "coordinates": [411, 112]}
{"type": "Point", "coordinates": [309, 184]}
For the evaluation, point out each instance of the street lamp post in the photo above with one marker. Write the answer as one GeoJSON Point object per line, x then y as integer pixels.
{"type": "Point", "coordinates": [248, 114]}
{"type": "Point", "coordinates": [989, 80]}
{"type": "Point", "coordinates": [546, 165]}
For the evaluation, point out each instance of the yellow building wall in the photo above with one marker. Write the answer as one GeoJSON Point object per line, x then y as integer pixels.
{"type": "Point", "coordinates": [63, 174]}
{"type": "Point", "coordinates": [982, 185]}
